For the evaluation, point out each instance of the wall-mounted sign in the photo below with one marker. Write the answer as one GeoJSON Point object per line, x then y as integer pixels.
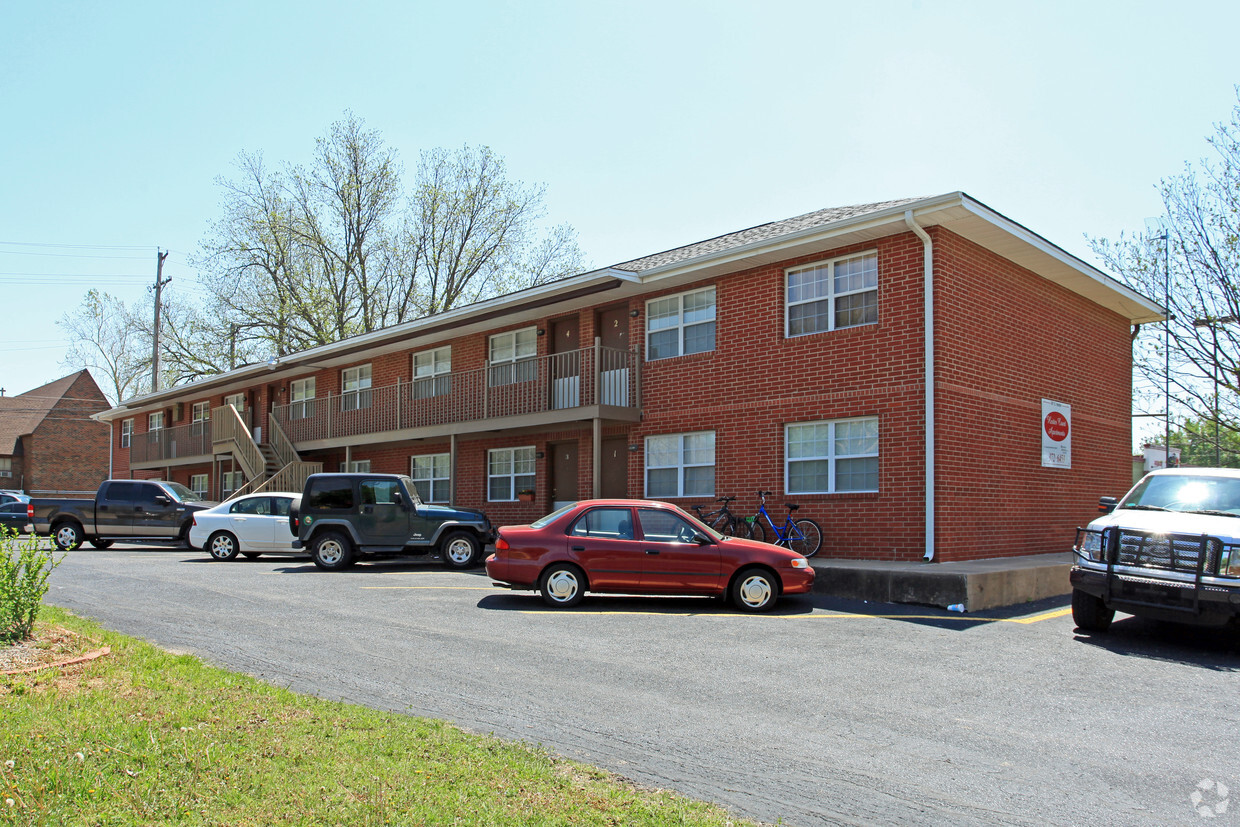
{"type": "Point", "coordinates": [1056, 434]}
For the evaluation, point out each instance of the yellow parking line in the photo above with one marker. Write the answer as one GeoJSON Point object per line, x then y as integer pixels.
{"type": "Point", "coordinates": [436, 588]}
{"type": "Point", "coordinates": [1046, 616]}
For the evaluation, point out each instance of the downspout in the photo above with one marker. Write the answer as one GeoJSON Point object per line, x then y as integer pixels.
{"type": "Point", "coordinates": [111, 442]}
{"type": "Point", "coordinates": [928, 348]}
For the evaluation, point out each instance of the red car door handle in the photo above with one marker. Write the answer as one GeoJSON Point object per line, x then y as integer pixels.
{"type": "Point", "coordinates": [652, 551]}
{"type": "Point", "coordinates": [579, 548]}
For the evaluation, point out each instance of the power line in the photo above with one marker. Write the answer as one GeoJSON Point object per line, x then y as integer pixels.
{"type": "Point", "coordinates": [68, 255]}
{"type": "Point", "coordinates": [77, 246]}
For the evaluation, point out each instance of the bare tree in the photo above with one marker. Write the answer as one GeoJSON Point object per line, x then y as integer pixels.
{"type": "Point", "coordinates": [1194, 259]}
{"type": "Point", "coordinates": [106, 338]}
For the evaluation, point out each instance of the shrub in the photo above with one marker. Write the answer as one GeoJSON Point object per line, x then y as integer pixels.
{"type": "Point", "coordinates": [24, 569]}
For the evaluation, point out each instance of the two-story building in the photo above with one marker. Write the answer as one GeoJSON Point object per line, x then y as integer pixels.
{"type": "Point", "coordinates": [888, 367]}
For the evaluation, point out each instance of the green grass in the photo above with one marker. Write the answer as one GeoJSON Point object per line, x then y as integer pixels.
{"type": "Point", "coordinates": [143, 736]}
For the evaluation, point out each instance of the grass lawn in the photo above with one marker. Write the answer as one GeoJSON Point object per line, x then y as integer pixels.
{"type": "Point", "coordinates": [142, 736]}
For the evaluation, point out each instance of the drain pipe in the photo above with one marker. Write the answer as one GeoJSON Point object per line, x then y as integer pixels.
{"type": "Point", "coordinates": [928, 347]}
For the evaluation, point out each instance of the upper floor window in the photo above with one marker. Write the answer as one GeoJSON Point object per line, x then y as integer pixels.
{"type": "Point", "coordinates": [237, 400]}
{"type": "Point", "coordinates": [432, 373]}
{"type": "Point", "coordinates": [511, 355]}
{"type": "Point", "coordinates": [680, 465]}
{"type": "Point", "coordinates": [355, 388]}
{"type": "Point", "coordinates": [155, 421]}
{"type": "Point", "coordinates": [301, 398]}
{"type": "Point", "coordinates": [829, 295]}
{"type": "Point", "coordinates": [681, 324]}
{"type": "Point", "coordinates": [200, 417]}
{"type": "Point", "coordinates": [126, 432]}
{"type": "Point", "coordinates": [832, 456]}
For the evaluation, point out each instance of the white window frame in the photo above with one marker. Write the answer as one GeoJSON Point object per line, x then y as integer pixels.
{"type": "Point", "coordinates": [521, 365]}
{"type": "Point", "coordinates": [440, 479]}
{"type": "Point", "coordinates": [431, 369]}
{"type": "Point", "coordinates": [357, 466]}
{"type": "Point", "coordinates": [827, 294]}
{"type": "Point", "coordinates": [200, 414]}
{"type": "Point", "coordinates": [355, 389]}
{"type": "Point", "coordinates": [154, 424]}
{"type": "Point", "coordinates": [516, 482]}
{"type": "Point", "coordinates": [682, 449]}
{"type": "Point", "coordinates": [230, 481]}
{"type": "Point", "coordinates": [237, 400]}
{"type": "Point", "coordinates": [301, 398]}
{"type": "Point", "coordinates": [681, 325]}
{"type": "Point", "coordinates": [126, 432]}
{"type": "Point", "coordinates": [203, 486]}
{"type": "Point", "coordinates": [6, 467]}
{"type": "Point", "coordinates": [831, 457]}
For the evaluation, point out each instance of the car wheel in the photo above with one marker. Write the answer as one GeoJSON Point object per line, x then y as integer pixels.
{"type": "Point", "coordinates": [222, 546]}
{"type": "Point", "coordinates": [460, 550]}
{"type": "Point", "coordinates": [251, 555]}
{"type": "Point", "coordinates": [1089, 613]}
{"type": "Point", "coordinates": [332, 551]}
{"type": "Point", "coordinates": [755, 590]}
{"type": "Point", "coordinates": [67, 536]}
{"type": "Point", "coordinates": [100, 544]}
{"type": "Point", "coordinates": [562, 585]}
{"type": "Point", "coordinates": [183, 537]}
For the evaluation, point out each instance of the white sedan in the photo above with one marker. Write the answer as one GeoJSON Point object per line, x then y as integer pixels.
{"type": "Point", "coordinates": [249, 525]}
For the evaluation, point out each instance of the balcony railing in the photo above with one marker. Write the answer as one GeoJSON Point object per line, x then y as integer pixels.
{"type": "Point", "coordinates": [170, 443]}
{"type": "Point", "coordinates": [590, 376]}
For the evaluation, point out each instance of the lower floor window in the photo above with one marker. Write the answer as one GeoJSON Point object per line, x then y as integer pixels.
{"type": "Point", "coordinates": [199, 485]}
{"type": "Point", "coordinates": [681, 465]}
{"type": "Point", "coordinates": [509, 471]}
{"type": "Point", "coordinates": [432, 476]}
{"type": "Point", "coordinates": [832, 456]}
{"type": "Point", "coordinates": [230, 481]}
{"type": "Point", "coordinates": [357, 466]}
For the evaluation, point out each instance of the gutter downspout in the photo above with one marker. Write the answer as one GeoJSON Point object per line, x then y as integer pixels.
{"type": "Point", "coordinates": [111, 443]}
{"type": "Point", "coordinates": [928, 347]}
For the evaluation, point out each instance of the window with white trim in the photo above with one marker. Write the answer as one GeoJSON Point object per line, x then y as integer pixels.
{"type": "Point", "coordinates": [509, 471]}
{"type": "Point", "coordinates": [432, 476]}
{"type": "Point", "coordinates": [681, 465]}
{"type": "Point", "coordinates": [199, 485]}
{"type": "Point", "coordinates": [230, 481]}
{"type": "Point", "coordinates": [511, 355]}
{"type": "Point", "coordinates": [6, 466]}
{"type": "Point", "coordinates": [301, 398]}
{"type": "Point", "coordinates": [681, 324]}
{"type": "Point", "coordinates": [154, 426]}
{"type": "Point", "coordinates": [432, 371]}
{"type": "Point", "coordinates": [126, 432]}
{"type": "Point", "coordinates": [237, 400]}
{"type": "Point", "coordinates": [355, 388]}
{"type": "Point", "coordinates": [834, 294]}
{"type": "Point", "coordinates": [357, 466]}
{"type": "Point", "coordinates": [832, 457]}
{"type": "Point", "coordinates": [200, 416]}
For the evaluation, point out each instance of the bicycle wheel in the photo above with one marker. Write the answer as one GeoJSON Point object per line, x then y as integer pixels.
{"type": "Point", "coordinates": [756, 531]}
{"type": "Point", "coordinates": [729, 526]}
{"type": "Point", "coordinates": [805, 537]}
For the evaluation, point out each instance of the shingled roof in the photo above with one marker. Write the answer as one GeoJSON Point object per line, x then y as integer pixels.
{"type": "Point", "coordinates": [762, 232]}
{"type": "Point", "coordinates": [21, 414]}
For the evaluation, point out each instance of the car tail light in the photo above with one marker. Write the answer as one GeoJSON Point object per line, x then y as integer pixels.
{"type": "Point", "coordinates": [194, 520]}
{"type": "Point", "coordinates": [29, 511]}
{"type": "Point", "coordinates": [501, 544]}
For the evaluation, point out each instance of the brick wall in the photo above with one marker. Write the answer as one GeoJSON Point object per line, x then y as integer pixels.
{"type": "Point", "coordinates": [68, 451]}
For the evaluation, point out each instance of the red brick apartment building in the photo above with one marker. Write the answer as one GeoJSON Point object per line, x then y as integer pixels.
{"type": "Point", "coordinates": [48, 442]}
{"type": "Point", "coordinates": [886, 366]}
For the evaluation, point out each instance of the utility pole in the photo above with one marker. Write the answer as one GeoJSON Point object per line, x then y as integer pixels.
{"type": "Point", "coordinates": [160, 281]}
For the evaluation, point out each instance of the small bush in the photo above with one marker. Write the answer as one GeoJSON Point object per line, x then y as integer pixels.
{"type": "Point", "coordinates": [24, 569]}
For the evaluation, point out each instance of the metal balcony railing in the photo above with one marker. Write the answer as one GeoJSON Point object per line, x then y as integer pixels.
{"type": "Point", "coordinates": [585, 377]}
{"type": "Point", "coordinates": [170, 443]}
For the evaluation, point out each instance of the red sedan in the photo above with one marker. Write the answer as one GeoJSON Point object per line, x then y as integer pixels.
{"type": "Point", "coordinates": [641, 547]}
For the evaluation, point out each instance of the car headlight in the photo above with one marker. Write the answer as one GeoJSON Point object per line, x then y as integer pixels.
{"type": "Point", "coordinates": [800, 563]}
{"type": "Point", "coordinates": [1089, 544]}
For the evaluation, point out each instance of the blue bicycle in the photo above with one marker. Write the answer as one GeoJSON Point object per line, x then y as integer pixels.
{"type": "Point", "coordinates": [802, 536]}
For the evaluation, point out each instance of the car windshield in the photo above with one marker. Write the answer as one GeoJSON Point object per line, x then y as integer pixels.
{"type": "Point", "coordinates": [182, 493]}
{"type": "Point", "coordinates": [1186, 492]}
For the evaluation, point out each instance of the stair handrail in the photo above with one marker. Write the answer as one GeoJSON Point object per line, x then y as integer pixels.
{"type": "Point", "coordinates": [280, 443]}
{"type": "Point", "coordinates": [227, 427]}
{"type": "Point", "coordinates": [291, 477]}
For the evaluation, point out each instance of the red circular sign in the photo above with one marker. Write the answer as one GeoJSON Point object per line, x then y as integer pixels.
{"type": "Point", "coordinates": [1056, 425]}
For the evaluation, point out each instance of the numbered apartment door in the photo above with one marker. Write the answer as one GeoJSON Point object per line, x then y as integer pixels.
{"type": "Point", "coordinates": [565, 363]}
{"type": "Point", "coordinates": [564, 487]}
{"type": "Point", "coordinates": [613, 331]}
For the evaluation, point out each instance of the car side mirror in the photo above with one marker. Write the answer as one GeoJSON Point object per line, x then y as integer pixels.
{"type": "Point", "coordinates": [161, 499]}
{"type": "Point", "coordinates": [1106, 504]}
{"type": "Point", "coordinates": [398, 498]}
{"type": "Point", "coordinates": [701, 539]}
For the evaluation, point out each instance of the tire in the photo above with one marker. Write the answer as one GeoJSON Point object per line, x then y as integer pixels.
{"type": "Point", "coordinates": [332, 551]}
{"type": "Point", "coordinates": [183, 537]}
{"type": "Point", "coordinates": [460, 550]}
{"type": "Point", "coordinates": [562, 585]}
{"type": "Point", "coordinates": [222, 546]}
{"type": "Point", "coordinates": [100, 544]}
{"type": "Point", "coordinates": [1089, 613]}
{"type": "Point", "coordinates": [67, 536]}
{"type": "Point", "coordinates": [727, 526]}
{"type": "Point", "coordinates": [755, 590]}
{"type": "Point", "coordinates": [251, 555]}
{"type": "Point", "coordinates": [756, 531]}
{"type": "Point", "coordinates": [808, 545]}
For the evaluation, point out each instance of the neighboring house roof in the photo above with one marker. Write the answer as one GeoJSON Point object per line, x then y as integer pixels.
{"type": "Point", "coordinates": [22, 414]}
{"type": "Point", "coordinates": [807, 234]}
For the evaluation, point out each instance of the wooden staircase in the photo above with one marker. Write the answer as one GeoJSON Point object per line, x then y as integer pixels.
{"type": "Point", "coordinates": [272, 466]}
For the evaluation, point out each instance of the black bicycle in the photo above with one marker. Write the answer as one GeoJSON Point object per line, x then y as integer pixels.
{"type": "Point", "coordinates": [722, 519]}
{"type": "Point", "coordinates": [802, 536]}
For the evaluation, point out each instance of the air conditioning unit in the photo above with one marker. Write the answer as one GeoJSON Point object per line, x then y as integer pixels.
{"type": "Point", "coordinates": [6, 473]}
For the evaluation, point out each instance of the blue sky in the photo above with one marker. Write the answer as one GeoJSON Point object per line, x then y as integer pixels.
{"type": "Point", "coordinates": [653, 124]}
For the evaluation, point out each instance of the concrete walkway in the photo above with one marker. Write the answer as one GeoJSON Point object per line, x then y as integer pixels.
{"type": "Point", "coordinates": [975, 584]}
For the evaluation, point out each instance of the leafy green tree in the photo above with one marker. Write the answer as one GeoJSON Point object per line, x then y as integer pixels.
{"type": "Point", "coordinates": [107, 337]}
{"type": "Point", "coordinates": [1196, 440]}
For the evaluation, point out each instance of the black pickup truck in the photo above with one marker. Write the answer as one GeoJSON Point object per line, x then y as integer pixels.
{"type": "Point", "coordinates": [340, 517]}
{"type": "Point", "coordinates": [121, 510]}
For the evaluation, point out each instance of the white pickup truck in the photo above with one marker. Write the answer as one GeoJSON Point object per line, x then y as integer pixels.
{"type": "Point", "coordinates": [1170, 550]}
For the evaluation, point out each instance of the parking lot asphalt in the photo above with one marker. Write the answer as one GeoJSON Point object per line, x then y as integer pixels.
{"type": "Point", "coordinates": [823, 712]}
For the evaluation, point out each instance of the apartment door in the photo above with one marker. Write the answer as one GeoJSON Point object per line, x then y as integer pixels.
{"type": "Point", "coordinates": [565, 363]}
{"type": "Point", "coordinates": [564, 489]}
{"type": "Point", "coordinates": [613, 327]}
{"type": "Point", "coordinates": [615, 468]}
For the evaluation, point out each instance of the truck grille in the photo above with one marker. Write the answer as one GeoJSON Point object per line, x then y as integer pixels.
{"type": "Point", "coordinates": [1172, 552]}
